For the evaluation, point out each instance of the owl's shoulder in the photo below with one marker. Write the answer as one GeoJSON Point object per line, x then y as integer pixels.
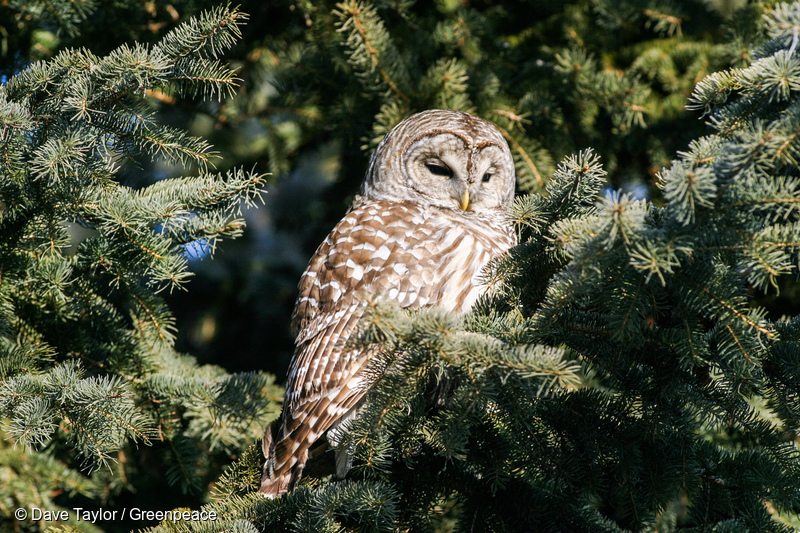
{"type": "Point", "coordinates": [373, 231]}
{"type": "Point", "coordinates": [353, 253]}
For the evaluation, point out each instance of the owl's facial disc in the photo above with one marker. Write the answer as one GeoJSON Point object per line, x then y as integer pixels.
{"type": "Point", "coordinates": [456, 172]}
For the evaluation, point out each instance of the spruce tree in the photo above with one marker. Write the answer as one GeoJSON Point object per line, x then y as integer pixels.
{"type": "Point", "coordinates": [623, 376]}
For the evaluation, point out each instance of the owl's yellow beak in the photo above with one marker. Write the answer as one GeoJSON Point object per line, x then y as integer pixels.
{"type": "Point", "coordinates": [465, 200]}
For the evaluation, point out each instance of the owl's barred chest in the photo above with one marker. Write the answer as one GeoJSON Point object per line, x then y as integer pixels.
{"type": "Point", "coordinates": [415, 255]}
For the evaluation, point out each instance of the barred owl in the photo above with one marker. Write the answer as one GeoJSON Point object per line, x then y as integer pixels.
{"type": "Point", "coordinates": [431, 213]}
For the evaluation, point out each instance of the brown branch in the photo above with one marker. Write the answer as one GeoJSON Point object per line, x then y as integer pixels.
{"type": "Point", "coordinates": [355, 12]}
{"type": "Point", "coordinates": [516, 146]}
{"type": "Point", "coordinates": [738, 314]}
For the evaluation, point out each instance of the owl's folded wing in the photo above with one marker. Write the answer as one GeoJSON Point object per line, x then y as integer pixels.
{"type": "Point", "coordinates": [363, 259]}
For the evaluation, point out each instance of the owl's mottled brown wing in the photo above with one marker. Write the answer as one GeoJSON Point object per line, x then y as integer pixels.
{"type": "Point", "coordinates": [368, 255]}
{"type": "Point", "coordinates": [379, 250]}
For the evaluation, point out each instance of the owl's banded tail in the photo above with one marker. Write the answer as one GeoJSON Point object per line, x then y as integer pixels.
{"type": "Point", "coordinates": [287, 455]}
{"type": "Point", "coordinates": [306, 433]}
{"type": "Point", "coordinates": [281, 470]}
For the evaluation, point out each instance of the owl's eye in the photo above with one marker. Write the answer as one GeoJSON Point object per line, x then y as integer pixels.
{"type": "Point", "coordinates": [487, 177]}
{"type": "Point", "coordinates": [438, 169]}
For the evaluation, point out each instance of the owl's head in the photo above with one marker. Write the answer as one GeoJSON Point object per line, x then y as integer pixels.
{"type": "Point", "coordinates": [447, 159]}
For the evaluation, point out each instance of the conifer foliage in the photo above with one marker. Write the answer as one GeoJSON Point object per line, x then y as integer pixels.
{"type": "Point", "coordinates": [622, 375]}
{"type": "Point", "coordinates": [89, 376]}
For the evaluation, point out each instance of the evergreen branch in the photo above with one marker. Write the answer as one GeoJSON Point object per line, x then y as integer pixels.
{"type": "Point", "coordinates": [175, 144]}
{"type": "Point", "coordinates": [370, 44]}
{"type": "Point", "coordinates": [739, 344]}
{"type": "Point", "coordinates": [738, 314]}
{"type": "Point", "coordinates": [181, 470]}
{"type": "Point", "coordinates": [162, 326]}
{"type": "Point", "coordinates": [208, 35]}
{"type": "Point", "coordinates": [210, 78]}
{"type": "Point", "coordinates": [517, 147]}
